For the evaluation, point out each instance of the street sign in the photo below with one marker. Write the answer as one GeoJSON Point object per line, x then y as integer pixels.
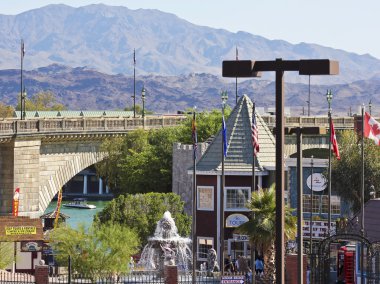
{"type": "Point", "coordinates": [233, 279]}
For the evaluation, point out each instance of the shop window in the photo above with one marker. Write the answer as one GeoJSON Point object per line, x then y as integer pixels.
{"type": "Point", "coordinates": [237, 198]}
{"type": "Point", "coordinates": [204, 244]}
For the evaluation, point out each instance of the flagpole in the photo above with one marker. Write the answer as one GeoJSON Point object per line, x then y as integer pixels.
{"type": "Point", "coordinates": [194, 198]}
{"type": "Point", "coordinates": [224, 150]}
{"type": "Point", "coordinates": [236, 90]}
{"type": "Point", "coordinates": [21, 87]}
{"type": "Point", "coordinates": [329, 98]}
{"type": "Point", "coordinates": [134, 83]}
{"type": "Point", "coordinates": [362, 202]}
{"type": "Point", "coordinates": [253, 252]}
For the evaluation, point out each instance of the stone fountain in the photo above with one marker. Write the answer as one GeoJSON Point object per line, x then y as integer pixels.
{"type": "Point", "coordinates": [166, 247]}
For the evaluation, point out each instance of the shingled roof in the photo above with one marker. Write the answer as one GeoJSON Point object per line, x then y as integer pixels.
{"type": "Point", "coordinates": [239, 151]}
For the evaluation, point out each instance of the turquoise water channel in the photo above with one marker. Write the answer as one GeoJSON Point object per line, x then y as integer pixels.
{"type": "Point", "coordinates": [77, 216]}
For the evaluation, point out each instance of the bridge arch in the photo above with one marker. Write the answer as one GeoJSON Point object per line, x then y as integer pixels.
{"type": "Point", "coordinates": [61, 161]}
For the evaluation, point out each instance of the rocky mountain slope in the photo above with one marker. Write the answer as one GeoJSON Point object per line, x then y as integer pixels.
{"type": "Point", "coordinates": [104, 37]}
{"type": "Point", "coordinates": [86, 89]}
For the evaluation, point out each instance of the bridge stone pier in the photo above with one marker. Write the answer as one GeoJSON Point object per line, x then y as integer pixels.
{"type": "Point", "coordinates": [40, 167]}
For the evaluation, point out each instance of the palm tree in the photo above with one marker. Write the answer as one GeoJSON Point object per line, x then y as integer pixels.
{"type": "Point", "coordinates": [261, 228]}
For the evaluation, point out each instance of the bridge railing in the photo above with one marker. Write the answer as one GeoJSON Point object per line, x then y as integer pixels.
{"type": "Point", "coordinates": [294, 121]}
{"type": "Point", "coordinates": [104, 124]}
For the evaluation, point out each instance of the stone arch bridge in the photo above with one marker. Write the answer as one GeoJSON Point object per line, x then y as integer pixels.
{"type": "Point", "coordinates": [40, 155]}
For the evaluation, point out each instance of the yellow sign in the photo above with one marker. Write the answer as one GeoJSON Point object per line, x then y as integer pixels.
{"type": "Point", "coordinates": [20, 230]}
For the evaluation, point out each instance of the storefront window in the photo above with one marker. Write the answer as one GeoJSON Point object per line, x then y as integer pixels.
{"type": "Point", "coordinates": [204, 244]}
{"type": "Point", "coordinates": [237, 198]}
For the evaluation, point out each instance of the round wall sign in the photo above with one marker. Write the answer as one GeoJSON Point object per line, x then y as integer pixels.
{"type": "Point", "coordinates": [319, 182]}
{"type": "Point", "coordinates": [235, 220]}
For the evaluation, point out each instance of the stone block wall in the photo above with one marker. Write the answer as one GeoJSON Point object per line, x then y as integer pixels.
{"type": "Point", "coordinates": [26, 174]}
{"type": "Point", "coordinates": [6, 178]}
{"type": "Point", "coordinates": [182, 177]}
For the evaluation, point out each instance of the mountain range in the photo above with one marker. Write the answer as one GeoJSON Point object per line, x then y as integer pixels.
{"type": "Point", "coordinates": [85, 56]}
{"type": "Point", "coordinates": [86, 89]}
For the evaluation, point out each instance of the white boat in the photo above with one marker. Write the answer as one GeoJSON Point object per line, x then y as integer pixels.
{"type": "Point", "coordinates": [80, 203]}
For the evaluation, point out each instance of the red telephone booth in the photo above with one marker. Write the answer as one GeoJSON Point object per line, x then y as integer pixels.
{"type": "Point", "coordinates": [346, 265]}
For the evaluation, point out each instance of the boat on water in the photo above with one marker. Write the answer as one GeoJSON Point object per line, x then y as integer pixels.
{"type": "Point", "coordinates": [79, 203]}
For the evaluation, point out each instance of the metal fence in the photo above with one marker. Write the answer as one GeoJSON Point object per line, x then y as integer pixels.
{"type": "Point", "coordinates": [13, 278]}
{"type": "Point", "coordinates": [134, 278]}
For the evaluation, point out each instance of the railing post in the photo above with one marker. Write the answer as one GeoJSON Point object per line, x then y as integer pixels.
{"type": "Point", "coordinates": [69, 268]}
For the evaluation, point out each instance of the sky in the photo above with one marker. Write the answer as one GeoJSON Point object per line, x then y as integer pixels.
{"type": "Point", "coordinates": [350, 25]}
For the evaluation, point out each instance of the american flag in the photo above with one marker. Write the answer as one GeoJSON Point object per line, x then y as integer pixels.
{"type": "Point", "coordinates": [134, 56]}
{"type": "Point", "coordinates": [255, 133]}
{"type": "Point", "coordinates": [194, 136]}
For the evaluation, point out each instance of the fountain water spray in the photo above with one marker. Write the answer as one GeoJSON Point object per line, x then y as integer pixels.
{"type": "Point", "coordinates": [166, 247]}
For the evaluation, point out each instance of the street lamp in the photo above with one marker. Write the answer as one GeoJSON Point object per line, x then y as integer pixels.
{"type": "Point", "coordinates": [311, 218]}
{"type": "Point", "coordinates": [143, 91]}
{"type": "Point", "coordinates": [224, 97]}
{"type": "Point", "coordinates": [370, 107]}
{"type": "Point", "coordinates": [251, 68]}
{"type": "Point", "coordinates": [299, 131]}
{"type": "Point", "coordinates": [23, 108]}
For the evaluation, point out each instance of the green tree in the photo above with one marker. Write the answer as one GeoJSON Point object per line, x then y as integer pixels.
{"type": "Point", "coordinates": [208, 124]}
{"type": "Point", "coordinates": [6, 111]}
{"type": "Point", "coordinates": [346, 172]}
{"type": "Point", "coordinates": [141, 212]}
{"type": "Point", "coordinates": [42, 101]}
{"type": "Point", "coordinates": [103, 250]}
{"type": "Point", "coordinates": [6, 252]}
{"type": "Point", "coordinates": [144, 154]}
{"type": "Point", "coordinates": [261, 229]}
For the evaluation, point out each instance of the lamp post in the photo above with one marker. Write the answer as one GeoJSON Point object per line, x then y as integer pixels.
{"type": "Point", "coordinates": [143, 91]}
{"type": "Point", "coordinates": [299, 131]}
{"type": "Point", "coordinates": [311, 218]}
{"type": "Point", "coordinates": [22, 89]}
{"type": "Point", "coordinates": [224, 97]}
{"type": "Point", "coordinates": [370, 107]}
{"type": "Point", "coordinates": [329, 97]}
{"type": "Point", "coordinates": [251, 68]}
{"type": "Point", "coordinates": [23, 104]}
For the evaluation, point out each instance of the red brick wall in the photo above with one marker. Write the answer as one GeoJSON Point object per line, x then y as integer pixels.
{"type": "Point", "coordinates": [41, 274]}
{"type": "Point", "coordinates": [291, 268]}
{"type": "Point", "coordinates": [171, 274]}
{"type": "Point", "coordinates": [10, 221]}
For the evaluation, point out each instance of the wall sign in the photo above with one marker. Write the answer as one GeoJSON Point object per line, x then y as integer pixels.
{"type": "Point", "coordinates": [20, 230]}
{"type": "Point", "coordinates": [205, 198]}
{"type": "Point", "coordinates": [235, 220]}
{"type": "Point", "coordinates": [319, 182]}
{"type": "Point", "coordinates": [31, 246]}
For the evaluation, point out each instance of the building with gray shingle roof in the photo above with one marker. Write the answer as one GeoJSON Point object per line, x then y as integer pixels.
{"type": "Point", "coordinates": [238, 182]}
{"type": "Point", "coordinates": [239, 151]}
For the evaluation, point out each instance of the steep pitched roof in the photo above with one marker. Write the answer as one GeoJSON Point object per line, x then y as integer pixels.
{"type": "Point", "coordinates": [239, 151]}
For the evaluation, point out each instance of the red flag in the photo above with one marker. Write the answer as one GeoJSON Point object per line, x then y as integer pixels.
{"type": "Point", "coordinates": [371, 129]}
{"type": "Point", "coordinates": [16, 198]}
{"type": "Point", "coordinates": [255, 133]}
{"type": "Point", "coordinates": [333, 140]}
